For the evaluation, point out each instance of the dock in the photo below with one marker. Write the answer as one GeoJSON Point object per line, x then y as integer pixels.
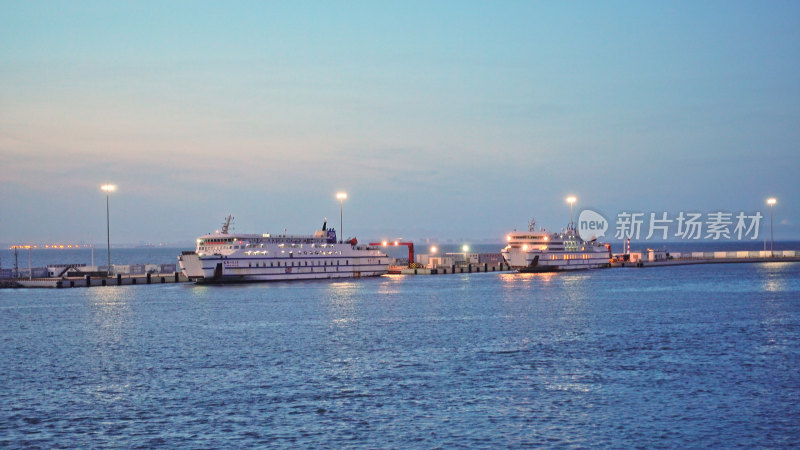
{"type": "Point", "coordinates": [456, 269]}
{"type": "Point", "coordinates": [73, 278]}
{"type": "Point", "coordinates": [691, 261]}
{"type": "Point", "coordinates": [90, 281]}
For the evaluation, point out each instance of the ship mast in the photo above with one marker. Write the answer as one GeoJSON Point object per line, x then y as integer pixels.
{"type": "Point", "coordinates": [227, 224]}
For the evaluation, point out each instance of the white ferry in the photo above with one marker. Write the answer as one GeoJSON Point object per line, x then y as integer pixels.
{"type": "Point", "coordinates": [543, 251]}
{"type": "Point", "coordinates": [223, 257]}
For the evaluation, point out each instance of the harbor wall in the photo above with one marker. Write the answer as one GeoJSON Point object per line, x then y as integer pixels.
{"type": "Point", "coordinates": [735, 254]}
{"type": "Point", "coordinates": [90, 281]}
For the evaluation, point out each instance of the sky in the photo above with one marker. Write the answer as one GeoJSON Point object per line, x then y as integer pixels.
{"type": "Point", "coordinates": [444, 120]}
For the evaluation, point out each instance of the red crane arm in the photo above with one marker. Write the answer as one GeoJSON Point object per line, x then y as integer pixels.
{"type": "Point", "coordinates": [410, 246]}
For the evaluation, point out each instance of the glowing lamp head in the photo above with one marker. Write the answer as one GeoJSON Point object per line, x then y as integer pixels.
{"type": "Point", "coordinates": [508, 238]}
{"type": "Point", "coordinates": [546, 238]}
{"type": "Point", "coordinates": [396, 243]}
{"type": "Point", "coordinates": [525, 248]}
{"type": "Point", "coordinates": [771, 201]}
{"type": "Point", "coordinates": [384, 243]}
{"type": "Point", "coordinates": [108, 187]}
{"type": "Point", "coordinates": [434, 250]}
{"type": "Point", "coordinates": [465, 248]}
{"type": "Point", "coordinates": [341, 195]}
{"type": "Point", "coordinates": [571, 199]}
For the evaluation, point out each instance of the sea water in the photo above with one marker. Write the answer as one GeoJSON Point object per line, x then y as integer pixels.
{"type": "Point", "coordinates": [699, 356]}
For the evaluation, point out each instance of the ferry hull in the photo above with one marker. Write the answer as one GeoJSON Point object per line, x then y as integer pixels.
{"type": "Point", "coordinates": [560, 268]}
{"type": "Point", "coordinates": [528, 263]}
{"type": "Point", "coordinates": [221, 271]}
{"type": "Point", "coordinates": [231, 279]}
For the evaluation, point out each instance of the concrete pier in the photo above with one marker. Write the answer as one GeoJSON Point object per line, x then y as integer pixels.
{"type": "Point", "coordinates": [690, 261]}
{"type": "Point", "coordinates": [89, 281]}
{"type": "Point", "coordinates": [456, 269]}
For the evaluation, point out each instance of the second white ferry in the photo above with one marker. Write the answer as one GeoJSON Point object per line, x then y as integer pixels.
{"type": "Point", "coordinates": [543, 251]}
{"type": "Point", "coordinates": [225, 258]}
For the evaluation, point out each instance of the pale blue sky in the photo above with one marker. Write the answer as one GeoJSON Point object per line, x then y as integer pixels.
{"type": "Point", "coordinates": [440, 119]}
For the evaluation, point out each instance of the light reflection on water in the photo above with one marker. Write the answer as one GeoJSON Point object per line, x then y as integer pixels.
{"type": "Point", "coordinates": [513, 280]}
{"type": "Point", "coordinates": [616, 358]}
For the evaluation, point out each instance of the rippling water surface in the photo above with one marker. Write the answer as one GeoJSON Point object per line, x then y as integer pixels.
{"type": "Point", "coordinates": [682, 356]}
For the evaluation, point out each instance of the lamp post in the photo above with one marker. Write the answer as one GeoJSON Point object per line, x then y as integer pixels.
{"type": "Point", "coordinates": [465, 248]}
{"type": "Point", "coordinates": [571, 200]}
{"type": "Point", "coordinates": [341, 196]}
{"type": "Point", "coordinates": [771, 202]}
{"type": "Point", "coordinates": [108, 188]}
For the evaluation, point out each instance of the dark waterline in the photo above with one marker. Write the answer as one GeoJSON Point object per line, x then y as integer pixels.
{"type": "Point", "coordinates": [679, 356]}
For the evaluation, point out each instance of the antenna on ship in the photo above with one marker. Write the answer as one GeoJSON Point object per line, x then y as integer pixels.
{"type": "Point", "coordinates": [532, 225]}
{"type": "Point", "coordinates": [226, 224]}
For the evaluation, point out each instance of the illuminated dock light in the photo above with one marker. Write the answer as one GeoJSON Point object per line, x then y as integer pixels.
{"type": "Point", "coordinates": [571, 200]}
{"type": "Point", "coordinates": [341, 196]}
{"type": "Point", "coordinates": [771, 202]}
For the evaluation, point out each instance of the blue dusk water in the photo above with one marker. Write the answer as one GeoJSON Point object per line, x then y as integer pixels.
{"type": "Point", "coordinates": [698, 356]}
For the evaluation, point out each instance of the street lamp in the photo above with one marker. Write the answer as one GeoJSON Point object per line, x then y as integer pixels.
{"type": "Point", "coordinates": [108, 188]}
{"type": "Point", "coordinates": [434, 250]}
{"type": "Point", "coordinates": [341, 196]}
{"type": "Point", "coordinates": [465, 248]}
{"type": "Point", "coordinates": [771, 202]}
{"type": "Point", "coordinates": [571, 200]}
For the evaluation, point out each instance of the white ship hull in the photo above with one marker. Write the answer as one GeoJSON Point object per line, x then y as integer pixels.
{"type": "Point", "coordinates": [231, 270]}
{"type": "Point", "coordinates": [554, 262]}
{"type": "Point", "coordinates": [239, 258]}
{"type": "Point", "coordinates": [541, 251]}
